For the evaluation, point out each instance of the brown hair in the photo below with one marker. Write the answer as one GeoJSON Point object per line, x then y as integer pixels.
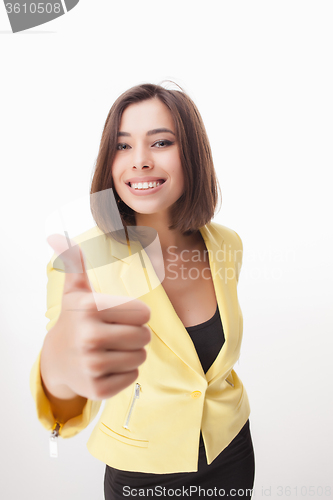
{"type": "Point", "coordinates": [196, 206]}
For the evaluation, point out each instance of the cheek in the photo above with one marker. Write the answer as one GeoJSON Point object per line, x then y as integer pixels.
{"type": "Point", "coordinates": [178, 174]}
{"type": "Point", "coordinates": [115, 172]}
{"type": "Point", "coordinates": [174, 166]}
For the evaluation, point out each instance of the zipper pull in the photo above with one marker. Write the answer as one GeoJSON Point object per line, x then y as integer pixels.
{"type": "Point", "coordinates": [137, 390]}
{"type": "Point", "coordinates": [230, 383]}
{"type": "Point", "coordinates": [135, 397]}
{"type": "Point", "coordinates": [53, 440]}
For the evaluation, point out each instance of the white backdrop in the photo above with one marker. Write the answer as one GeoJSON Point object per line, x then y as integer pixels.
{"type": "Point", "coordinates": [261, 75]}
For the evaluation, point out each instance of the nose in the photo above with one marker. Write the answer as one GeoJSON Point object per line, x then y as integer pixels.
{"type": "Point", "coordinates": [142, 159]}
{"type": "Point", "coordinates": [142, 167]}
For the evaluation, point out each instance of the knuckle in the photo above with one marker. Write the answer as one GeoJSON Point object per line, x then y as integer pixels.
{"type": "Point", "coordinates": [112, 387]}
{"type": "Point", "coordinates": [92, 365]}
{"type": "Point", "coordinates": [88, 344]}
{"type": "Point", "coordinates": [146, 334]}
{"type": "Point", "coordinates": [146, 314]}
{"type": "Point", "coordinates": [130, 378]}
{"type": "Point", "coordinates": [89, 340]}
{"type": "Point", "coordinates": [99, 390]}
{"type": "Point", "coordinates": [142, 356]}
{"type": "Point", "coordinates": [87, 303]}
{"type": "Point", "coordinates": [143, 312]}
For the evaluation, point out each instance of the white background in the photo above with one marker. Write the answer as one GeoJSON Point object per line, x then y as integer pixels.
{"type": "Point", "coordinates": [261, 75]}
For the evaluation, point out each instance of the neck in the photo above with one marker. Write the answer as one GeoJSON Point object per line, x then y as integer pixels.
{"type": "Point", "coordinates": [168, 237]}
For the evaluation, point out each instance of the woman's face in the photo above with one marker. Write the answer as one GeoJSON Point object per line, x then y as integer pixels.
{"type": "Point", "coordinates": [148, 150]}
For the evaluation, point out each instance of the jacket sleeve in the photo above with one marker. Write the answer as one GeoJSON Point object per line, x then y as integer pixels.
{"type": "Point", "coordinates": [238, 255]}
{"type": "Point", "coordinates": [76, 424]}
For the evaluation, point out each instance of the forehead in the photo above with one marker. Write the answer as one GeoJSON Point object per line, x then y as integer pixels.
{"type": "Point", "coordinates": [146, 115]}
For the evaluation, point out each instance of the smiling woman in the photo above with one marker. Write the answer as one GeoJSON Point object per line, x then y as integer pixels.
{"type": "Point", "coordinates": [164, 137]}
{"type": "Point", "coordinates": [152, 155]}
{"type": "Point", "coordinates": [176, 413]}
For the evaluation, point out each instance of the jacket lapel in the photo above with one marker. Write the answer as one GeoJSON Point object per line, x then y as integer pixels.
{"type": "Point", "coordinates": [142, 282]}
{"type": "Point", "coordinates": [225, 285]}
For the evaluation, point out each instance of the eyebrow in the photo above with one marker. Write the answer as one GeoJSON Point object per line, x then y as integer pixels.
{"type": "Point", "coordinates": [150, 132]}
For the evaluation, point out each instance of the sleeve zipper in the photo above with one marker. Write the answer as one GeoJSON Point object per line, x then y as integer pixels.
{"type": "Point", "coordinates": [53, 440]}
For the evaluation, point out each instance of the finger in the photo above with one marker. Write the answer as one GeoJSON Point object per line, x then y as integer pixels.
{"type": "Point", "coordinates": [110, 385]}
{"type": "Point", "coordinates": [110, 362]}
{"type": "Point", "coordinates": [72, 263]}
{"type": "Point", "coordinates": [118, 337]}
{"type": "Point", "coordinates": [129, 312]}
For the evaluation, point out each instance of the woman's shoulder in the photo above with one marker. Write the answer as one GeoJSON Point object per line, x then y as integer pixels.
{"type": "Point", "coordinates": [225, 234]}
{"type": "Point", "coordinates": [90, 240]}
{"type": "Point", "coordinates": [89, 234]}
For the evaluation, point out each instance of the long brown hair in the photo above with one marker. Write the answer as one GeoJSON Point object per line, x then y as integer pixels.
{"type": "Point", "coordinates": [196, 206]}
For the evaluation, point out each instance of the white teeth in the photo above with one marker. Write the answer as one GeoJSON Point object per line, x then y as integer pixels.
{"type": "Point", "coordinates": [145, 185]}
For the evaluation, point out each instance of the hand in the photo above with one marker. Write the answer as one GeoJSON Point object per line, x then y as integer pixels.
{"type": "Point", "coordinates": [90, 353]}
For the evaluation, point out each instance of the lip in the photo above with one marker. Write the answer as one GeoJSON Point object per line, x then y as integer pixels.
{"type": "Point", "coordinates": [144, 179]}
{"type": "Point", "coordinates": [145, 192]}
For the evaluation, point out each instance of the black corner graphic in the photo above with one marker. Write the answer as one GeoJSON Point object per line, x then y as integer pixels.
{"type": "Point", "coordinates": [25, 14]}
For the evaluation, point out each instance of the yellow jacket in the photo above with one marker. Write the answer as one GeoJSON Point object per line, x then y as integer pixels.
{"type": "Point", "coordinates": [154, 424]}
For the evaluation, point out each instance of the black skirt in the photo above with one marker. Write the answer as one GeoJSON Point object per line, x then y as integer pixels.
{"type": "Point", "coordinates": [231, 474]}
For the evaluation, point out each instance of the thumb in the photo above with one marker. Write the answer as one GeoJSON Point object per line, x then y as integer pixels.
{"type": "Point", "coordinates": [70, 260]}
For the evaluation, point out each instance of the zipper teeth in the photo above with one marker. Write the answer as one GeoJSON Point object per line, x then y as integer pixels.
{"type": "Point", "coordinates": [56, 429]}
{"type": "Point", "coordinates": [53, 440]}
{"type": "Point", "coordinates": [135, 397]}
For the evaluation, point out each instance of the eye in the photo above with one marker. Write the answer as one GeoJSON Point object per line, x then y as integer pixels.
{"type": "Point", "coordinates": [122, 146]}
{"type": "Point", "coordinates": [165, 142]}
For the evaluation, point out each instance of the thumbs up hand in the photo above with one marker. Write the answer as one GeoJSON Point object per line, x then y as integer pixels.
{"type": "Point", "coordinates": [90, 353]}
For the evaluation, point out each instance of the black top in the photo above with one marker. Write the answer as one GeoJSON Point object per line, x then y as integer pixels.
{"type": "Point", "coordinates": [208, 339]}
{"type": "Point", "coordinates": [225, 471]}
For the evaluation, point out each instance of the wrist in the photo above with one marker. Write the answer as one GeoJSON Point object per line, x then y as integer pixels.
{"type": "Point", "coordinates": [50, 371]}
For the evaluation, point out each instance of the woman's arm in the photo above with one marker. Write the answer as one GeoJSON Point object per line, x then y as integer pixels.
{"type": "Point", "coordinates": [65, 404]}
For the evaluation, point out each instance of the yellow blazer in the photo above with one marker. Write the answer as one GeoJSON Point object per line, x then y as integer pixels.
{"type": "Point", "coordinates": [154, 424]}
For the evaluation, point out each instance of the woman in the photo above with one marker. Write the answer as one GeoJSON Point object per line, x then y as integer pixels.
{"type": "Point", "coordinates": [176, 415]}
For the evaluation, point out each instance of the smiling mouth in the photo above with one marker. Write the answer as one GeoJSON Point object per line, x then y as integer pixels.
{"type": "Point", "coordinates": [142, 186]}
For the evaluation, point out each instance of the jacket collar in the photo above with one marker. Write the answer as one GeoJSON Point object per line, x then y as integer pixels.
{"type": "Point", "coordinates": [142, 283]}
